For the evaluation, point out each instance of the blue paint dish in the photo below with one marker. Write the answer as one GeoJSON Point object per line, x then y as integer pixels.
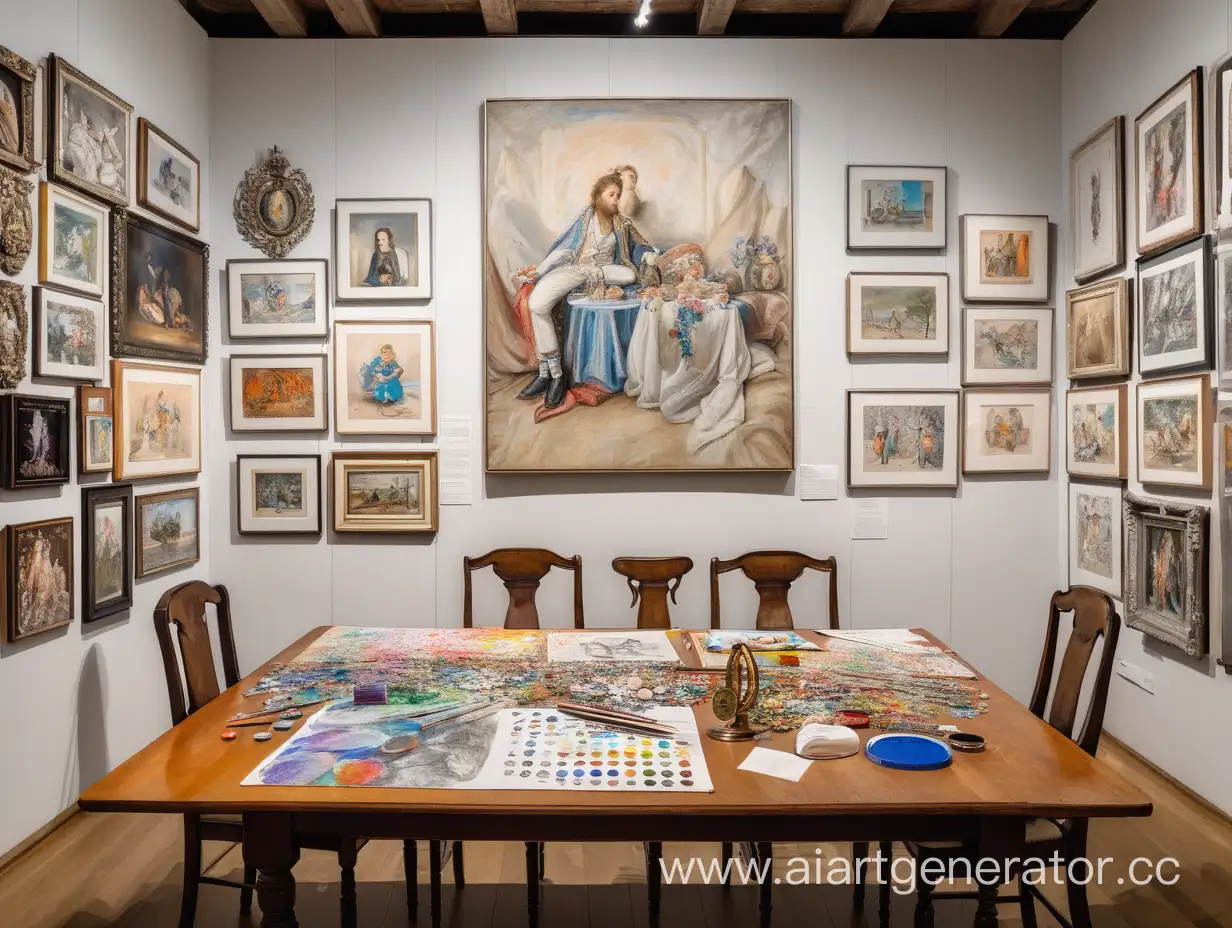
{"type": "Point", "coordinates": [908, 752]}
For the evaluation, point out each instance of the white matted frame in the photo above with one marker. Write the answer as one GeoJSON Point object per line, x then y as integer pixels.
{"type": "Point", "coordinates": [1093, 349]}
{"type": "Point", "coordinates": [425, 514]}
{"type": "Point", "coordinates": [158, 156]}
{"type": "Point", "coordinates": [357, 279]}
{"type": "Point", "coordinates": [1096, 536]}
{"type": "Point", "coordinates": [280, 373]}
{"type": "Point", "coordinates": [144, 432]}
{"type": "Point", "coordinates": [998, 348]}
{"type": "Point", "coordinates": [358, 409]}
{"type": "Point", "coordinates": [263, 303]}
{"type": "Point", "coordinates": [1153, 131]}
{"type": "Point", "coordinates": [997, 267]}
{"type": "Point", "coordinates": [927, 448]}
{"type": "Point", "coordinates": [54, 199]}
{"type": "Point", "coordinates": [1221, 88]}
{"type": "Point", "coordinates": [1223, 315]}
{"type": "Point", "coordinates": [1163, 285]}
{"type": "Point", "coordinates": [1097, 428]}
{"type": "Point", "coordinates": [1172, 452]}
{"type": "Point", "coordinates": [900, 333]}
{"type": "Point", "coordinates": [55, 308]}
{"type": "Point", "coordinates": [266, 510]}
{"type": "Point", "coordinates": [1097, 198]}
{"type": "Point", "coordinates": [994, 423]}
{"type": "Point", "coordinates": [878, 222]}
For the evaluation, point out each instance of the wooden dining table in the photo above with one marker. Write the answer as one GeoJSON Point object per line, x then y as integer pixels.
{"type": "Point", "coordinates": [1028, 770]}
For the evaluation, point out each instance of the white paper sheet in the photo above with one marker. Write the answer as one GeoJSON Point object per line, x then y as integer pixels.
{"type": "Point", "coordinates": [649, 646]}
{"type": "Point", "coordinates": [817, 481]}
{"type": "Point", "coordinates": [899, 639]}
{"type": "Point", "coordinates": [776, 764]}
{"type": "Point", "coordinates": [870, 518]}
{"type": "Point", "coordinates": [454, 461]}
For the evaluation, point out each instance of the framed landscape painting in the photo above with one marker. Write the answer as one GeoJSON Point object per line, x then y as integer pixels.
{"type": "Point", "coordinates": [902, 438]}
{"type": "Point", "coordinates": [1005, 259]}
{"type": "Point", "coordinates": [72, 242]}
{"type": "Point", "coordinates": [1097, 197]}
{"type": "Point", "coordinates": [385, 491]}
{"type": "Point", "coordinates": [383, 250]}
{"type": "Point", "coordinates": [1174, 325]}
{"type": "Point", "coordinates": [35, 431]}
{"type": "Point", "coordinates": [384, 378]}
{"type": "Point", "coordinates": [106, 550]}
{"type": "Point", "coordinates": [278, 393]}
{"type": "Point", "coordinates": [1174, 419]}
{"type": "Point", "coordinates": [1095, 534]}
{"type": "Point", "coordinates": [898, 314]}
{"type": "Point", "coordinates": [157, 420]}
{"type": "Point", "coordinates": [278, 494]}
{"type": "Point", "coordinates": [896, 207]}
{"type": "Point", "coordinates": [89, 134]}
{"type": "Point", "coordinates": [637, 318]}
{"type": "Point", "coordinates": [277, 299]}
{"type": "Point", "coordinates": [95, 430]}
{"type": "Point", "coordinates": [1006, 346]}
{"type": "Point", "coordinates": [168, 177]}
{"type": "Point", "coordinates": [1168, 167]}
{"type": "Point", "coordinates": [38, 575]}
{"type": "Point", "coordinates": [167, 530]}
{"type": "Point", "coordinates": [70, 336]}
{"type": "Point", "coordinates": [1097, 330]}
{"type": "Point", "coordinates": [1096, 432]}
{"type": "Point", "coordinates": [1007, 431]}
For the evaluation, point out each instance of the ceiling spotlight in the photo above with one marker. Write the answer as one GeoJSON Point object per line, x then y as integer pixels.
{"type": "Point", "coordinates": [643, 14]}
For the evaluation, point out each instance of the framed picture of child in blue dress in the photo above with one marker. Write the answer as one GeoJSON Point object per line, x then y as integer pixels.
{"type": "Point", "coordinates": [384, 378]}
{"type": "Point", "coordinates": [383, 250]}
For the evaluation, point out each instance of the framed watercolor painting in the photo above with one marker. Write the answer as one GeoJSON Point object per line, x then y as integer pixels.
{"type": "Point", "coordinates": [168, 530]}
{"type": "Point", "coordinates": [1168, 167]}
{"type": "Point", "coordinates": [277, 299]}
{"type": "Point", "coordinates": [95, 430]}
{"type": "Point", "coordinates": [1097, 432]}
{"type": "Point", "coordinates": [1095, 537]}
{"type": "Point", "coordinates": [158, 291]}
{"type": "Point", "coordinates": [1005, 259]}
{"type": "Point", "coordinates": [1097, 198]}
{"type": "Point", "coordinates": [70, 336]}
{"type": "Point", "coordinates": [72, 242]}
{"type": "Point", "coordinates": [902, 438]}
{"type": "Point", "coordinates": [278, 393]}
{"type": "Point", "coordinates": [1174, 324]}
{"type": "Point", "coordinates": [1222, 89]}
{"type": "Point", "coordinates": [385, 491]}
{"type": "Point", "coordinates": [38, 572]}
{"type": "Point", "coordinates": [1173, 432]}
{"type": "Point", "coordinates": [17, 77]}
{"type": "Point", "coordinates": [1007, 431]}
{"type": "Point", "coordinates": [106, 550]}
{"type": "Point", "coordinates": [168, 177]}
{"type": "Point", "coordinates": [898, 314]}
{"type": "Point", "coordinates": [35, 435]}
{"type": "Point", "coordinates": [278, 494]}
{"type": "Point", "coordinates": [157, 420]}
{"type": "Point", "coordinates": [1223, 315]}
{"type": "Point", "coordinates": [89, 134]}
{"type": "Point", "coordinates": [383, 250]}
{"type": "Point", "coordinates": [14, 333]}
{"type": "Point", "coordinates": [896, 207]}
{"type": "Point", "coordinates": [384, 378]}
{"type": "Point", "coordinates": [1165, 571]}
{"type": "Point", "coordinates": [1006, 346]}
{"type": "Point", "coordinates": [1097, 330]}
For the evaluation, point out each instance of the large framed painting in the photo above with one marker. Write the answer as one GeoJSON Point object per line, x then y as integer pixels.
{"type": "Point", "coordinates": [167, 530]}
{"type": "Point", "coordinates": [278, 393]}
{"type": "Point", "coordinates": [277, 299]}
{"type": "Point", "coordinates": [1097, 432]}
{"type": "Point", "coordinates": [159, 281]}
{"type": "Point", "coordinates": [1173, 432]}
{"type": "Point", "coordinates": [383, 250]}
{"type": "Point", "coordinates": [34, 432]}
{"type": "Point", "coordinates": [902, 438]}
{"type": "Point", "coordinates": [1095, 537]}
{"type": "Point", "coordinates": [278, 494]}
{"type": "Point", "coordinates": [1005, 259]}
{"type": "Point", "coordinates": [38, 576]}
{"type": "Point", "coordinates": [157, 420]}
{"type": "Point", "coordinates": [168, 177]}
{"type": "Point", "coordinates": [1223, 315]}
{"type": "Point", "coordinates": [898, 313]}
{"type": "Point", "coordinates": [106, 550]}
{"type": "Point", "coordinates": [1174, 324]}
{"type": "Point", "coordinates": [17, 77]}
{"type": "Point", "coordinates": [95, 430]}
{"type": "Point", "coordinates": [1165, 571]}
{"type": "Point", "coordinates": [1222, 81]}
{"type": "Point", "coordinates": [89, 134]}
{"type": "Point", "coordinates": [72, 250]}
{"type": "Point", "coordinates": [1006, 346]}
{"type": "Point", "coordinates": [70, 336]}
{"type": "Point", "coordinates": [638, 292]}
{"type": "Point", "coordinates": [1007, 431]}
{"type": "Point", "coordinates": [1097, 198]}
{"type": "Point", "coordinates": [1168, 167]}
{"type": "Point", "coordinates": [895, 207]}
{"type": "Point", "coordinates": [385, 491]}
{"type": "Point", "coordinates": [384, 378]}
{"type": "Point", "coordinates": [1097, 330]}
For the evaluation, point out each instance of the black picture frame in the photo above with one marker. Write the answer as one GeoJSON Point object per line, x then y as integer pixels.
{"type": "Point", "coordinates": [91, 499]}
{"type": "Point", "coordinates": [239, 495]}
{"type": "Point", "coordinates": [13, 408]}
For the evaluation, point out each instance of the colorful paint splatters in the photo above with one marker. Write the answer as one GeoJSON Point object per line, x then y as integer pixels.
{"type": "Point", "coordinates": [342, 645]}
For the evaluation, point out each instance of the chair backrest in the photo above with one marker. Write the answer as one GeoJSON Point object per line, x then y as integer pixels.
{"type": "Point", "coordinates": [773, 573]}
{"type": "Point", "coordinates": [652, 579]}
{"type": "Point", "coordinates": [184, 607]}
{"type": "Point", "coordinates": [1094, 615]}
{"type": "Point", "coordinates": [521, 569]}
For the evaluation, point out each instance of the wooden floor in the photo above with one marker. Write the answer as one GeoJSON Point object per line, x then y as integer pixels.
{"type": "Point", "coordinates": [124, 870]}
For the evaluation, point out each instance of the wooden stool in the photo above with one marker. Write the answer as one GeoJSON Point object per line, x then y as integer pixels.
{"type": "Point", "coordinates": [655, 579]}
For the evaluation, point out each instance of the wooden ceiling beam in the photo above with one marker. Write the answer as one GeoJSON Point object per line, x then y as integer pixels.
{"type": "Point", "coordinates": [356, 17]}
{"type": "Point", "coordinates": [864, 16]}
{"type": "Point", "coordinates": [713, 17]}
{"type": "Point", "coordinates": [995, 16]}
{"type": "Point", "coordinates": [285, 17]}
{"type": "Point", "coordinates": [500, 17]}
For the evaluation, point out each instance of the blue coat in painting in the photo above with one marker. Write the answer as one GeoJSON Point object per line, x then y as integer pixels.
{"type": "Point", "coordinates": [381, 378]}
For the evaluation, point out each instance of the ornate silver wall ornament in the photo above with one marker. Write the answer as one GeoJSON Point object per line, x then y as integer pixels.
{"type": "Point", "coordinates": [274, 206]}
{"type": "Point", "coordinates": [16, 222]}
{"type": "Point", "coordinates": [14, 334]}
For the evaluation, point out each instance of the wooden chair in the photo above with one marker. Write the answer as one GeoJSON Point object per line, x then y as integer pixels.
{"type": "Point", "coordinates": [652, 580]}
{"type": "Point", "coordinates": [773, 573]}
{"type": "Point", "coordinates": [521, 569]}
{"type": "Point", "coordinates": [184, 607]}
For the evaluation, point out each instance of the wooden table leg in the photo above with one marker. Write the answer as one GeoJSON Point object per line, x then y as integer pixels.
{"type": "Point", "coordinates": [434, 887]}
{"type": "Point", "coordinates": [1001, 837]}
{"type": "Point", "coordinates": [269, 845]}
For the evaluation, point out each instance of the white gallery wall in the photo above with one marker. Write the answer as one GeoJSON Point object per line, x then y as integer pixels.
{"type": "Point", "coordinates": [82, 698]}
{"type": "Point", "coordinates": [1121, 57]}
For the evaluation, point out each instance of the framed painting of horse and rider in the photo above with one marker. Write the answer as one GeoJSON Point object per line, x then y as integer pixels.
{"type": "Point", "coordinates": [90, 133]}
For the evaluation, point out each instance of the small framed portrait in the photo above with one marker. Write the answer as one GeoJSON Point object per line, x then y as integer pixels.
{"type": "Point", "coordinates": [1223, 315]}
{"type": "Point", "coordinates": [1165, 571]}
{"type": "Point", "coordinates": [1174, 325]}
{"type": "Point", "coordinates": [1173, 430]}
{"type": "Point", "coordinates": [279, 494]}
{"type": "Point", "coordinates": [902, 438]}
{"type": "Point", "coordinates": [14, 333]}
{"type": "Point", "coordinates": [90, 133]}
{"type": "Point", "coordinates": [278, 393]}
{"type": "Point", "coordinates": [1168, 167]}
{"type": "Point", "coordinates": [95, 430]}
{"type": "Point", "coordinates": [1097, 198]}
{"type": "Point", "coordinates": [1095, 535]}
{"type": "Point", "coordinates": [72, 242]}
{"type": "Point", "coordinates": [70, 336]}
{"type": "Point", "coordinates": [38, 571]}
{"type": "Point", "coordinates": [385, 491]}
{"type": "Point", "coordinates": [1005, 259]}
{"type": "Point", "coordinates": [1097, 330]}
{"type": "Point", "coordinates": [167, 530]}
{"type": "Point", "coordinates": [383, 250]}
{"type": "Point", "coordinates": [157, 420]}
{"type": "Point", "coordinates": [158, 291]}
{"type": "Point", "coordinates": [1222, 81]}
{"type": "Point", "coordinates": [278, 299]}
{"type": "Point", "coordinates": [17, 78]}
{"type": "Point", "coordinates": [1097, 432]}
{"type": "Point", "coordinates": [35, 432]}
{"type": "Point", "coordinates": [384, 378]}
{"type": "Point", "coordinates": [1007, 431]}
{"type": "Point", "coordinates": [898, 314]}
{"type": "Point", "coordinates": [168, 177]}
{"type": "Point", "coordinates": [106, 550]}
{"type": "Point", "coordinates": [895, 207]}
{"type": "Point", "coordinates": [1007, 346]}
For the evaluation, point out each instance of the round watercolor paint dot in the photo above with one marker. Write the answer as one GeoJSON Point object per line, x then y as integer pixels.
{"type": "Point", "coordinates": [528, 763]}
{"type": "Point", "coordinates": [667, 773]}
{"type": "Point", "coordinates": [651, 783]}
{"type": "Point", "coordinates": [665, 763]}
{"type": "Point", "coordinates": [529, 752]}
{"type": "Point", "coordinates": [579, 763]}
{"type": "Point", "coordinates": [579, 773]}
{"type": "Point", "coordinates": [664, 754]}
{"type": "Point", "coordinates": [560, 774]}
{"type": "Point", "coordinates": [684, 764]}
{"type": "Point", "coordinates": [291, 714]}
{"type": "Point", "coordinates": [613, 773]}
{"type": "Point", "coordinates": [262, 736]}
{"type": "Point", "coordinates": [596, 773]}
{"type": "Point", "coordinates": [511, 763]}
{"type": "Point", "coordinates": [686, 782]}
{"type": "Point", "coordinates": [630, 752]}
{"type": "Point", "coordinates": [545, 763]}
{"type": "Point", "coordinates": [553, 718]}
{"type": "Point", "coordinates": [630, 763]}
{"type": "Point", "coordinates": [666, 783]}
{"type": "Point", "coordinates": [543, 774]}
{"type": "Point", "coordinates": [596, 753]}
{"type": "Point", "coordinates": [562, 753]}
{"type": "Point", "coordinates": [596, 763]}
{"type": "Point", "coordinates": [646, 742]}
{"type": "Point", "coordinates": [228, 736]}
{"type": "Point", "coordinates": [630, 773]}
{"type": "Point", "coordinates": [613, 753]}
{"type": "Point", "coordinates": [508, 773]}
{"type": "Point", "coordinates": [525, 773]}
{"type": "Point", "coordinates": [647, 753]}
{"type": "Point", "coordinates": [665, 744]}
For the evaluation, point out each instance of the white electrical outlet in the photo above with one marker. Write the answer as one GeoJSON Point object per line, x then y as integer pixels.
{"type": "Point", "coordinates": [1137, 676]}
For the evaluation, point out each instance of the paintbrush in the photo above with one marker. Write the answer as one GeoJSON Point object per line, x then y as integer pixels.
{"type": "Point", "coordinates": [617, 720]}
{"type": "Point", "coordinates": [254, 715]}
